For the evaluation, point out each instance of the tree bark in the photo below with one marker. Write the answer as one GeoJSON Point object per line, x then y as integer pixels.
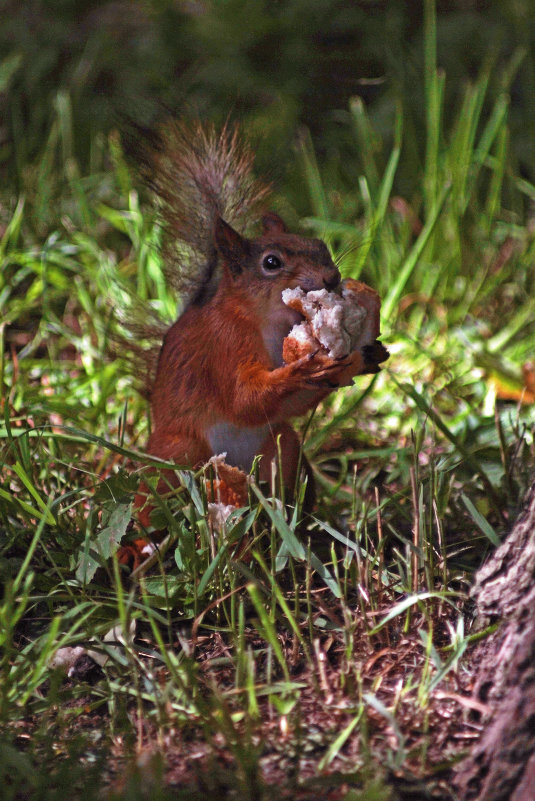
{"type": "Point", "coordinates": [501, 766]}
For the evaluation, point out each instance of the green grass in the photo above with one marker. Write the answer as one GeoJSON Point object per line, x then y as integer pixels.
{"type": "Point", "coordinates": [283, 657]}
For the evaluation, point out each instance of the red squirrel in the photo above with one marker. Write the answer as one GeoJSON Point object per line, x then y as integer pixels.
{"type": "Point", "coordinates": [221, 385]}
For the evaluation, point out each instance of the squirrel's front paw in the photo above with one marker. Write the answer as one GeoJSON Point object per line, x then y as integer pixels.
{"type": "Point", "coordinates": [374, 355]}
{"type": "Point", "coordinates": [317, 370]}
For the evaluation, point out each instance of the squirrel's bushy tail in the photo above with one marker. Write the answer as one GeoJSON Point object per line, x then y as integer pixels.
{"type": "Point", "coordinates": [197, 174]}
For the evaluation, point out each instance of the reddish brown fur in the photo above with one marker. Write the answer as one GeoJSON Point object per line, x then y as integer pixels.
{"type": "Point", "coordinates": [215, 368]}
{"type": "Point", "coordinates": [221, 383]}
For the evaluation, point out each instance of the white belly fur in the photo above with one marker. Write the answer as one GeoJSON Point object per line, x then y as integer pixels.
{"type": "Point", "coordinates": [240, 444]}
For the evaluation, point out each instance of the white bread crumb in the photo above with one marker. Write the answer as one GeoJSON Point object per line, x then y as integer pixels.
{"type": "Point", "coordinates": [218, 513]}
{"type": "Point", "coordinates": [334, 321]}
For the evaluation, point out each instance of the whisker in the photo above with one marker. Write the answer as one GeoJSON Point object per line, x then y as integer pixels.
{"type": "Point", "coordinates": [349, 248]}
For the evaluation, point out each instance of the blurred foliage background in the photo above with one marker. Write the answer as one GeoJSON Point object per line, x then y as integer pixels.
{"type": "Point", "coordinates": [277, 64]}
{"type": "Point", "coordinates": [403, 133]}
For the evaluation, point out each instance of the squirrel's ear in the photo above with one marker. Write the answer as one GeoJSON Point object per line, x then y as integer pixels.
{"type": "Point", "coordinates": [273, 224]}
{"type": "Point", "coordinates": [231, 246]}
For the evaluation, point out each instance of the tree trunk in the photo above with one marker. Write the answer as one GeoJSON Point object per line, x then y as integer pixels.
{"type": "Point", "coordinates": [501, 766]}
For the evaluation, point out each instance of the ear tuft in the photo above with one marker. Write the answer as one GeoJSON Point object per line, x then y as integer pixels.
{"type": "Point", "coordinates": [273, 224]}
{"type": "Point", "coordinates": [233, 247]}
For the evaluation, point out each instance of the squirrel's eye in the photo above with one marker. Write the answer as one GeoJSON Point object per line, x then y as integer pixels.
{"type": "Point", "coordinates": [271, 262]}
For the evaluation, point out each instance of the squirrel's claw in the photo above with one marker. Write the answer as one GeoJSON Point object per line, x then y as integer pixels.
{"type": "Point", "coordinates": [325, 384]}
{"type": "Point", "coordinates": [324, 375]}
{"type": "Point", "coordinates": [374, 355]}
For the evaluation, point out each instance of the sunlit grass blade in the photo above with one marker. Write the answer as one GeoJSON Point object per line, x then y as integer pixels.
{"type": "Point", "coordinates": [313, 177]}
{"type": "Point", "coordinates": [339, 742]}
{"type": "Point", "coordinates": [267, 629]}
{"type": "Point", "coordinates": [470, 459]}
{"type": "Point", "coordinates": [367, 141]}
{"type": "Point", "coordinates": [411, 261]}
{"type": "Point", "coordinates": [295, 548]}
{"type": "Point", "coordinates": [434, 93]}
{"type": "Point", "coordinates": [483, 525]}
{"type": "Point", "coordinates": [10, 236]}
{"type": "Point", "coordinates": [282, 603]}
{"type": "Point", "coordinates": [411, 600]}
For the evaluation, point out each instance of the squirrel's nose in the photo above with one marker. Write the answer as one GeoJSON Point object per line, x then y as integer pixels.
{"type": "Point", "coordinates": [331, 279]}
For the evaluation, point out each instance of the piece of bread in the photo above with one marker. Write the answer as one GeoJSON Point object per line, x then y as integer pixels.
{"type": "Point", "coordinates": [367, 298]}
{"type": "Point", "coordinates": [336, 324]}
